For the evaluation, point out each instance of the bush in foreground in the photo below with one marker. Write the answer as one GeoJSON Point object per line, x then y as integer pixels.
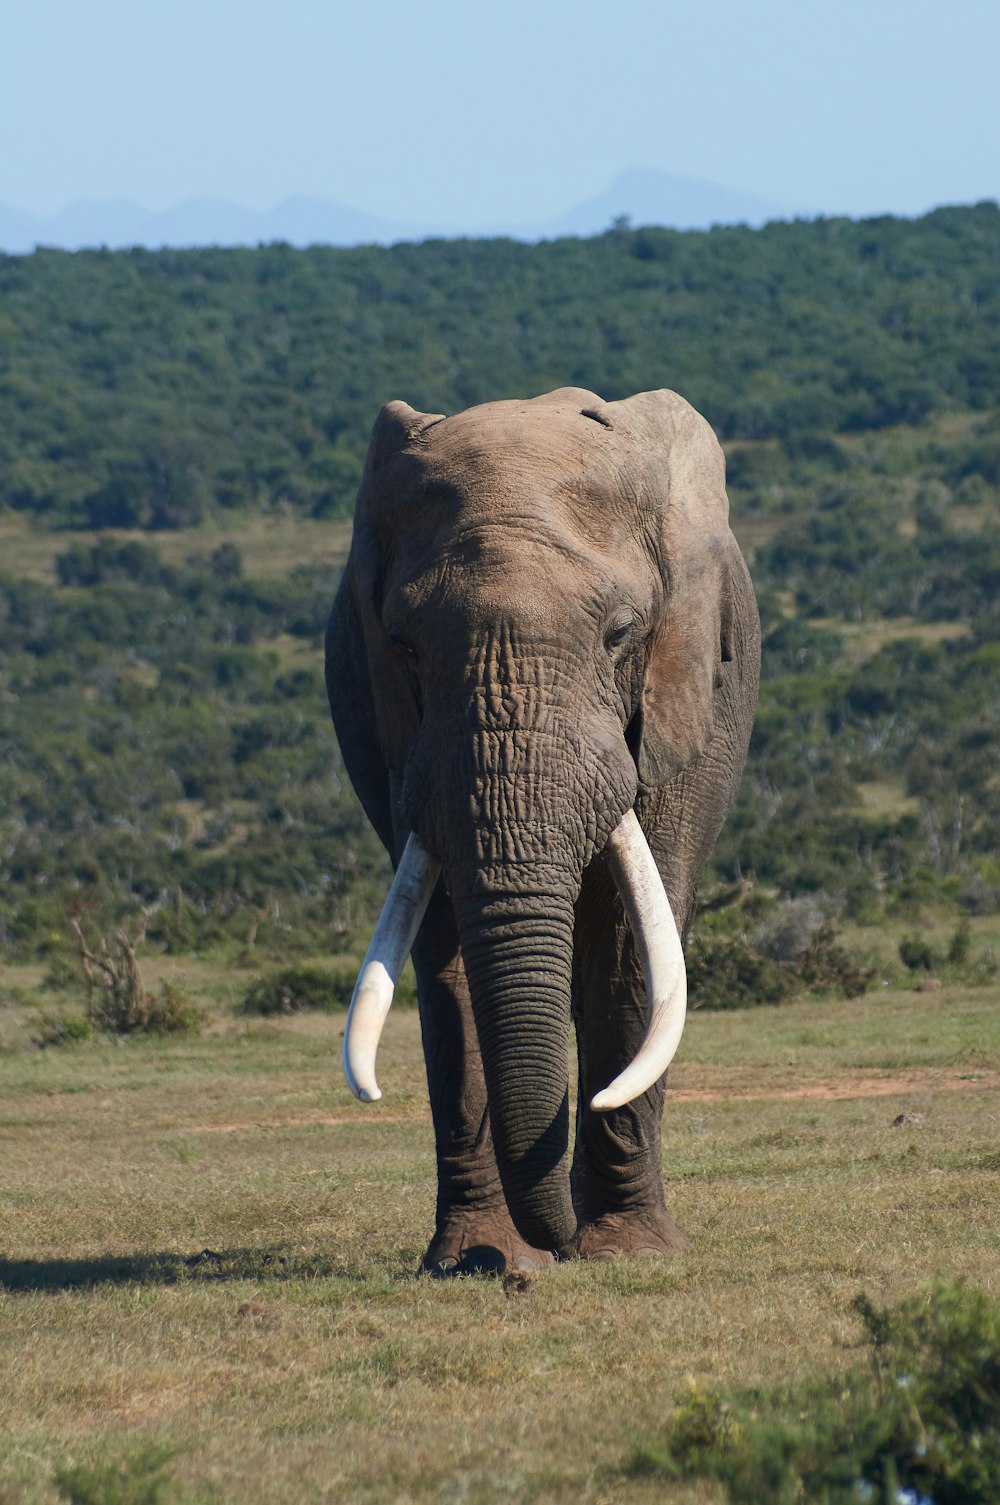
{"type": "Point", "coordinates": [921, 1423]}
{"type": "Point", "coordinates": [140, 1480]}
{"type": "Point", "coordinates": [732, 972]}
{"type": "Point", "coordinates": [956, 961]}
{"type": "Point", "coordinates": [295, 989]}
{"type": "Point", "coordinates": [118, 1002]}
{"type": "Point", "coordinates": [292, 990]}
{"type": "Point", "coordinates": [62, 1029]}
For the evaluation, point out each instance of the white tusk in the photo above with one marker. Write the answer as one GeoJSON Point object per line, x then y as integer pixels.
{"type": "Point", "coordinates": [654, 930]}
{"type": "Point", "coordinates": [391, 944]}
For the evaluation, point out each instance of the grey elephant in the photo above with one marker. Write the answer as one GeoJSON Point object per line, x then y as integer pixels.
{"type": "Point", "coordinates": [542, 664]}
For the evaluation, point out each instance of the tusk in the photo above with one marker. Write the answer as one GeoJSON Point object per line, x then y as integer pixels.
{"type": "Point", "coordinates": [391, 944]}
{"type": "Point", "coordinates": [654, 930]}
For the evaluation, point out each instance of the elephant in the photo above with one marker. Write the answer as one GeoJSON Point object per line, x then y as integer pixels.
{"type": "Point", "coordinates": [542, 663]}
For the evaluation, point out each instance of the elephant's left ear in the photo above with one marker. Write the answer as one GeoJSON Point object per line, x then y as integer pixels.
{"type": "Point", "coordinates": [706, 632]}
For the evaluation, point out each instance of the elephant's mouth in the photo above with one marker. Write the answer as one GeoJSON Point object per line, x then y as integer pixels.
{"type": "Point", "coordinates": [653, 927]}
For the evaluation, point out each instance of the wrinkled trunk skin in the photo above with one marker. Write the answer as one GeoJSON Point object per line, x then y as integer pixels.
{"type": "Point", "coordinates": [518, 951]}
{"type": "Point", "coordinates": [515, 831]}
{"type": "Point", "coordinates": [515, 788]}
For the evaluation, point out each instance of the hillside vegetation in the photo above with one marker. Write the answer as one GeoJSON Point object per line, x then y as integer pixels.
{"type": "Point", "coordinates": [152, 388]}
{"type": "Point", "coordinates": [181, 435]}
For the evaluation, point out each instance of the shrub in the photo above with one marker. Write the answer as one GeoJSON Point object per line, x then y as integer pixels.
{"type": "Point", "coordinates": [117, 1000]}
{"type": "Point", "coordinates": [109, 559]}
{"type": "Point", "coordinates": [60, 974]}
{"type": "Point", "coordinates": [982, 969]}
{"type": "Point", "coordinates": [921, 1422]}
{"type": "Point", "coordinates": [169, 1012]}
{"type": "Point", "coordinates": [791, 932]}
{"type": "Point", "coordinates": [62, 1029]}
{"type": "Point", "coordinates": [140, 1480]}
{"type": "Point", "coordinates": [979, 893]}
{"type": "Point", "coordinates": [956, 959]}
{"type": "Point", "coordinates": [294, 989]}
{"type": "Point", "coordinates": [732, 972]}
{"type": "Point", "coordinates": [729, 974]}
{"type": "Point", "coordinates": [825, 963]}
{"type": "Point", "coordinates": [960, 947]}
{"type": "Point", "coordinates": [917, 953]}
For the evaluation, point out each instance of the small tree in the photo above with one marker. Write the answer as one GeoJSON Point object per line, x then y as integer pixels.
{"type": "Point", "coordinates": [117, 1000]}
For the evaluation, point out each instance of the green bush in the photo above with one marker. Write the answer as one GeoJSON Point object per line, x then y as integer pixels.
{"type": "Point", "coordinates": [826, 964]}
{"type": "Point", "coordinates": [118, 1002]}
{"type": "Point", "coordinates": [724, 973]}
{"type": "Point", "coordinates": [956, 960]}
{"type": "Point", "coordinates": [62, 1029]}
{"type": "Point", "coordinates": [295, 989]}
{"type": "Point", "coordinates": [168, 1012]}
{"type": "Point", "coordinates": [732, 972]}
{"type": "Point", "coordinates": [960, 946]}
{"type": "Point", "coordinates": [921, 1422]}
{"type": "Point", "coordinates": [61, 973]}
{"type": "Point", "coordinates": [140, 1480]}
{"type": "Point", "coordinates": [917, 953]}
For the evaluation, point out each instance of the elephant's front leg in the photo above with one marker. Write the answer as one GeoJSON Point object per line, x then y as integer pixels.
{"type": "Point", "coordinates": [474, 1231]}
{"type": "Point", "coordinates": [617, 1172]}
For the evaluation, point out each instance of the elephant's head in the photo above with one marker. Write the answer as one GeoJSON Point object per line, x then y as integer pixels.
{"type": "Point", "coordinates": [542, 591]}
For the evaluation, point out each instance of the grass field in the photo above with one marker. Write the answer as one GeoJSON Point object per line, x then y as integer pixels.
{"type": "Point", "coordinates": [206, 1243]}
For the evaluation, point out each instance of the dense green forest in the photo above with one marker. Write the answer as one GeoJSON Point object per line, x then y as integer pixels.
{"type": "Point", "coordinates": [150, 388]}
{"type": "Point", "coordinates": [163, 729]}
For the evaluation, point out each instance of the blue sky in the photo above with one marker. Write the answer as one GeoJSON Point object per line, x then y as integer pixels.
{"type": "Point", "coordinates": [473, 115]}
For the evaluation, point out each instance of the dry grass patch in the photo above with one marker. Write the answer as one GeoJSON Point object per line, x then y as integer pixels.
{"type": "Point", "coordinates": [886, 799]}
{"type": "Point", "coordinates": [270, 545]}
{"type": "Point", "coordinates": [862, 640]}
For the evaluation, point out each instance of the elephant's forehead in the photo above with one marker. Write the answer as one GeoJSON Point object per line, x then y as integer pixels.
{"type": "Point", "coordinates": [517, 466]}
{"type": "Point", "coordinates": [503, 431]}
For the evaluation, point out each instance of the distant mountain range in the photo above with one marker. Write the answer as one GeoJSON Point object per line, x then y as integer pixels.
{"type": "Point", "coordinates": [644, 196]}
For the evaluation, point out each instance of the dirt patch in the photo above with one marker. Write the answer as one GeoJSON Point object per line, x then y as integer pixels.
{"type": "Point", "coordinates": [839, 1090]}
{"type": "Point", "coordinates": [306, 1120]}
{"type": "Point", "coordinates": [843, 1088]}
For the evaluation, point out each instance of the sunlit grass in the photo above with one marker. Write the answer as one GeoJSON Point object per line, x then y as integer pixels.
{"type": "Point", "coordinates": [862, 640]}
{"type": "Point", "coordinates": [270, 544]}
{"type": "Point", "coordinates": [886, 798]}
{"type": "Point", "coordinates": [208, 1243]}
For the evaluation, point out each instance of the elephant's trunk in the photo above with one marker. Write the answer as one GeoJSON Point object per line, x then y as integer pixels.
{"type": "Point", "coordinates": [517, 948]}
{"type": "Point", "coordinates": [518, 953]}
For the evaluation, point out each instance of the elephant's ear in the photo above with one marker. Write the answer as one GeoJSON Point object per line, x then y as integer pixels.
{"type": "Point", "coordinates": [349, 691]}
{"type": "Point", "coordinates": [396, 426]}
{"type": "Point", "coordinates": [677, 470]}
{"type": "Point", "coordinates": [374, 730]}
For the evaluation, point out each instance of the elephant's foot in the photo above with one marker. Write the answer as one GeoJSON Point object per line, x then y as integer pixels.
{"type": "Point", "coordinates": [481, 1241]}
{"type": "Point", "coordinates": [614, 1234]}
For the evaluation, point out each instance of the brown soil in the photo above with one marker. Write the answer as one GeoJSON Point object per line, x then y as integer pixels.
{"type": "Point", "coordinates": [843, 1088]}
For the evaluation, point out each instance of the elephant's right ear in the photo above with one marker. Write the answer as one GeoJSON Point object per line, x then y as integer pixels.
{"type": "Point", "coordinates": [380, 687]}
{"type": "Point", "coordinates": [396, 426]}
{"type": "Point", "coordinates": [348, 688]}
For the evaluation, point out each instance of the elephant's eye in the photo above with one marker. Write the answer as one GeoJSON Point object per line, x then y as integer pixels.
{"type": "Point", "coordinates": [618, 633]}
{"type": "Point", "coordinates": [402, 646]}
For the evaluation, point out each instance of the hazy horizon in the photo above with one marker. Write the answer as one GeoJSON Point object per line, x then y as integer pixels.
{"type": "Point", "coordinates": [509, 117]}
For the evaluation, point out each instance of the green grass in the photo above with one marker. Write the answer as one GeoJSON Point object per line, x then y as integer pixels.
{"type": "Point", "coordinates": [300, 1359]}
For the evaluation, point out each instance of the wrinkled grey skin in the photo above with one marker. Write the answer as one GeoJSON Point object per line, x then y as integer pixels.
{"type": "Point", "coordinates": [544, 620]}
